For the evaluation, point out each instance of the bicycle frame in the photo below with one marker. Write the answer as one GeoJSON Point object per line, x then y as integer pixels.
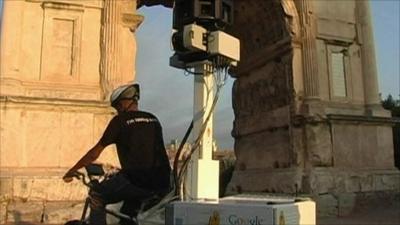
{"type": "Point", "coordinates": [94, 170]}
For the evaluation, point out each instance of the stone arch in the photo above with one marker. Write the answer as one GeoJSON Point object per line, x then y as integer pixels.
{"type": "Point", "coordinates": [263, 94]}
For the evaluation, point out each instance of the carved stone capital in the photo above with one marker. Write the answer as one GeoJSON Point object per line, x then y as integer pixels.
{"type": "Point", "coordinates": [132, 21]}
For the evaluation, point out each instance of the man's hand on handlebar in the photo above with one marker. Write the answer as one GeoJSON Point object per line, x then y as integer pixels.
{"type": "Point", "coordinates": [92, 170]}
{"type": "Point", "coordinates": [69, 176]}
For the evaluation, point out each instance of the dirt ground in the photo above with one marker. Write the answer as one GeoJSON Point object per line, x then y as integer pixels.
{"type": "Point", "coordinates": [378, 214]}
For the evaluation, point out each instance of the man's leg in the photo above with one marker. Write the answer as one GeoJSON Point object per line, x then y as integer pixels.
{"type": "Point", "coordinates": [133, 199]}
{"type": "Point", "coordinates": [130, 208]}
{"type": "Point", "coordinates": [115, 189]}
{"type": "Point", "coordinates": [108, 191]}
{"type": "Point", "coordinates": [97, 205]}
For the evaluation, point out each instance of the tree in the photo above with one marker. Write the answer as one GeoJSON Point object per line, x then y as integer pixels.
{"type": "Point", "coordinates": [392, 105]}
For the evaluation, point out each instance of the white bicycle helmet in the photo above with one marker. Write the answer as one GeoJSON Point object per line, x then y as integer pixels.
{"type": "Point", "coordinates": [128, 91]}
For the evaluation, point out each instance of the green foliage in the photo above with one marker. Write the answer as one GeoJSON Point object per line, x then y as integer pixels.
{"type": "Point", "coordinates": [392, 105]}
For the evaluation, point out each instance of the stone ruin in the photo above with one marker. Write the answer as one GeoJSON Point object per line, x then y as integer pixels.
{"type": "Point", "coordinates": [307, 110]}
{"type": "Point", "coordinates": [59, 61]}
{"type": "Point", "coordinates": [308, 118]}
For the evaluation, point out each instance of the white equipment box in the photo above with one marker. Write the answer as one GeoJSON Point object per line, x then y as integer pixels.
{"type": "Point", "coordinates": [193, 37]}
{"type": "Point", "coordinates": [221, 43]}
{"type": "Point", "coordinates": [243, 210]}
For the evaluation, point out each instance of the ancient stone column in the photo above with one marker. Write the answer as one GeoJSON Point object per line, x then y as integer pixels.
{"type": "Point", "coordinates": [129, 22]}
{"type": "Point", "coordinates": [109, 40]}
{"type": "Point", "coordinates": [311, 85]}
{"type": "Point", "coordinates": [9, 67]}
{"type": "Point", "coordinates": [369, 68]}
{"type": "Point", "coordinates": [118, 43]}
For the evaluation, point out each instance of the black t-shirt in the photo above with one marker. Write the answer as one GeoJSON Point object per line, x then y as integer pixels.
{"type": "Point", "coordinates": [140, 147]}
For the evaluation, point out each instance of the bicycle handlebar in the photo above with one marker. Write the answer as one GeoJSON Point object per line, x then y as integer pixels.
{"type": "Point", "coordinates": [82, 177]}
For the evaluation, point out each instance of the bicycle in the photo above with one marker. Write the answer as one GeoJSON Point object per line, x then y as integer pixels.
{"type": "Point", "coordinates": [153, 205]}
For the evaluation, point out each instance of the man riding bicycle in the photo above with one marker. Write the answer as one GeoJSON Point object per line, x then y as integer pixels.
{"type": "Point", "coordinates": [145, 169]}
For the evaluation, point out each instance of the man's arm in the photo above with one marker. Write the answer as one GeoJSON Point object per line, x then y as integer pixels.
{"type": "Point", "coordinates": [88, 158]}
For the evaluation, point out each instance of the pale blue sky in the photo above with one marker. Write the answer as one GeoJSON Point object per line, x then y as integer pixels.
{"type": "Point", "coordinates": [168, 92]}
{"type": "Point", "coordinates": [386, 19]}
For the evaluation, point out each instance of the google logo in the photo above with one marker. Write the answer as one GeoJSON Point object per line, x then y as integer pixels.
{"type": "Point", "coordinates": [236, 220]}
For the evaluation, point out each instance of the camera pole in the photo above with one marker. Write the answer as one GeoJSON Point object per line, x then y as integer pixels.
{"type": "Point", "coordinates": [202, 180]}
{"type": "Point", "coordinates": [200, 44]}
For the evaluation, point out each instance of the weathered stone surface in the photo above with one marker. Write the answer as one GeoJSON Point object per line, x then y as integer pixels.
{"type": "Point", "coordinates": [265, 150]}
{"type": "Point", "coordinates": [377, 199]}
{"type": "Point", "coordinates": [36, 65]}
{"type": "Point", "coordinates": [360, 142]}
{"type": "Point", "coordinates": [319, 146]}
{"type": "Point", "coordinates": [255, 123]}
{"type": "Point", "coordinates": [261, 130]}
{"type": "Point", "coordinates": [60, 212]}
{"type": "Point", "coordinates": [322, 183]}
{"type": "Point", "coordinates": [3, 211]}
{"type": "Point", "coordinates": [336, 181]}
{"type": "Point", "coordinates": [331, 10]}
{"type": "Point", "coordinates": [327, 206]}
{"type": "Point", "coordinates": [346, 203]}
{"type": "Point", "coordinates": [256, 40]}
{"type": "Point", "coordinates": [40, 212]}
{"type": "Point", "coordinates": [386, 182]}
{"type": "Point", "coordinates": [22, 187]}
{"type": "Point", "coordinates": [47, 188]}
{"type": "Point", "coordinates": [18, 212]}
{"type": "Point", "coordinates": [40, 145]}
{"type": "Point", "coordinates": [359, 183]}
{"type": "Point", "coordinates": [343, 204]}
{"type": "Point", "coordinates": [336, 20]}
{"type": "Point", "coordinates": [261, 180]}
{"type": "Point", "coordinates": [6, 188]}
{"type": "Point", "coordinates": [299, 144]}
{"type": "Point", "coordinates": [268, 86]}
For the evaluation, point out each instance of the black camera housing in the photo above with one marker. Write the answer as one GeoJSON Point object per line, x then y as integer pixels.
{"type": "Point", "coordinates": [211, 14]}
